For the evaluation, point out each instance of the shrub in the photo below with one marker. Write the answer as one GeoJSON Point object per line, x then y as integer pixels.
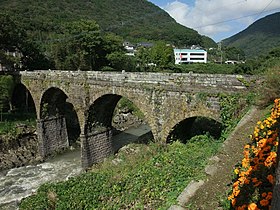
{"type": "Point", "coordinates": [270, 88]}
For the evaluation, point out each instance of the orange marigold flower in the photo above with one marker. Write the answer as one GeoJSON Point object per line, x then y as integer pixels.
{"type": "Point", "coordinates": [253, 206]}
{"type": "Point", "coordinates": [230, 197]}
{"type": "Point", "coordinates": [264, 194]}
{"type": "Point", "coordinates": [241, 207]}
{"type": "Point", "coordinates": [264, 202]}
{"type": "Point", "coordinates": [254, 180]}
{"type": "Point", "coordinates": [257, 184]}
{"type": "Point", "coordinates": [270, 178]}
{"type": "Point", "coordinates": [261, 143]}
{"type": "Point", "coordinates": [247, 146]}
{"type": "Point", "coordinates": [236, 193]}
{"type": "Point", "coordinates": [269, 196]}
{"type": "Point", "coordinates": [233, 202]}
{"type": "Point", "coordinates": [235, 184]}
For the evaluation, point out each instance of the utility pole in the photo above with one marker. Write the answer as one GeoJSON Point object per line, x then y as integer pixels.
{"type": "Point", "coordinates": [220, 49]}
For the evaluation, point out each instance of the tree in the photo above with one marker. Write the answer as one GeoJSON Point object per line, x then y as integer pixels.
{"type": "Point", "coordinates": [233, 53]}
{"type": "Point", "coordinates": [6, 89]}
{"type": "Point", "coordinates": [120, 61]}
{"type": "Point", "coordinates": [162, 54]}
{"type": "Point", "coordinates": [143, 58]}
{"type": "Point", "coordinates": [78, 47]}
{"type": "Point", "coordinates": [13, 38]}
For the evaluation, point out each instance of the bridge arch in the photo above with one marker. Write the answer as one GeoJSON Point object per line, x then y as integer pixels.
{"type": "Point", "coordinates": [58, 122]}
{"type": "Point", "coordinates": [185, 112]}
{"type": "Point", "coordinates": [100, 113]}
{"type": "Point", "coordinates": [192, 126]}
{"type": "Point", "coordinates": [102, 109]}
{"type": "Point", "coordinates": [98, 130]}
{"type": "Point", "coordinates": [22, 99]}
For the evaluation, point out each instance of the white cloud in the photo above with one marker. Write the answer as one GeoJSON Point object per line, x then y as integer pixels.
{"type": "Point", "coordinates": [211, 17]}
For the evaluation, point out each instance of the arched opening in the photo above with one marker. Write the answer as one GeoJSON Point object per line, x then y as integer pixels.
{"type": "Point", "coordinates": [54, 104]}
{"type": "Point", "coordinates": [22, 100]}
{"type": "Point", "coordinates": [22, 109]}
{"type": "Point", "coordinates": [122, 117]}
{"type": "Point", "coordinates": [194, 126]}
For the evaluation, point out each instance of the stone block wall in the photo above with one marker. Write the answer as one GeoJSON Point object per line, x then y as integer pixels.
{"type": "Point", "coordinates": [52, 135]}
{"type": "Point", "coordinates": [96, 146]}
{"type": "Point", "coordinates": [173, 81]}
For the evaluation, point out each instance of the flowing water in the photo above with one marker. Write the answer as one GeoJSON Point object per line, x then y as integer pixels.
{"type": "Point", "coordinates": [18, 183]}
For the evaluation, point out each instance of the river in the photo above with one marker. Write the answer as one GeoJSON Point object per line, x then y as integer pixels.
{"type": "Point", "coordinates": [18, 183]}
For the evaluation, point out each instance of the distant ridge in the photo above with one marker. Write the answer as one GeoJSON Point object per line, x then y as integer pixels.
{"type": "Point", "coordinates": [259, 38]}
{"type": "Point", "coordinates": [131, 19]}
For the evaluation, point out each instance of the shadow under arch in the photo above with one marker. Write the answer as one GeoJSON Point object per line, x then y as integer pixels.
{"type": "Point", "coordinates": [54, 104]}
{"type": "Point", "coordinates": [100, 116]}
{"type": "Point", "coordinates": [21, 100]}
{"type": "Point", "coordinates": [193, 126]}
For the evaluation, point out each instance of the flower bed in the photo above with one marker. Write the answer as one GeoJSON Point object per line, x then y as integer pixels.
{"type": "Point", "coordinates": [254, 176]}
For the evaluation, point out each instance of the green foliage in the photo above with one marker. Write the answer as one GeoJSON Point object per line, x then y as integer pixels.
{"type": "Point", "coordinates": [208, 68]}
{"type": "Point", "coordinates": [270, 90]}
{"type": "Point", "coordinates": [152, 178]}
{"type": "Point", "coordinates": [233, 53]}
{"type": "Point", "coordinates": [78, 45]}
{"type": "Point", "coordinates": [13, 38]}
{"type": "Point", "coordinates": [155, 58]}
{"type": "Point", "coordinates": [83, 46]}
{"type": "Point", "coordinates": [124, 103]}
{"type": "Point", "coordinates": [133, 20]}
{"type": "Point", "coordinates": [233, 107]}
{"type": "Point", "coordinates": [161, 54]}
{"type": "Point", "coordinates": [208, 42]}
{"type": "Point", "coordinates": [260, 64]}
{"type": "Point", "coordinates": [119, 61]}
{"type": "Point", "coordinates": [9, 122]}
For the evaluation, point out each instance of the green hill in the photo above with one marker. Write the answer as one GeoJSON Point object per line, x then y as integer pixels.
{"type": "Point", "coordinates": [259, 38]}
{"type": "Point", "coordinates": [134, 20]}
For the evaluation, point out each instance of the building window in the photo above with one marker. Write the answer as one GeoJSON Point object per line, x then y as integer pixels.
{"type": "Point", "coordinates": [196, 59]}
{"type": "Point", "coordinates": [201, 54]}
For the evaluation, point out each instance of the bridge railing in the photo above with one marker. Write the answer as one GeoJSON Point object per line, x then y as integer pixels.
{"type": "Point", "coordinates": [224, 81]}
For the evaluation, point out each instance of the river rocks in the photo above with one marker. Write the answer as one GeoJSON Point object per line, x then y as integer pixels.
{"type": "Point", "coordinates": [124, 120]}
{"type": "Point", "coordinates": [19, 151]}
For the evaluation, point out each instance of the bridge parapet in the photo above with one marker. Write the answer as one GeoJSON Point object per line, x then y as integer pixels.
{"type": "Point", "coordinates": [171, 81]}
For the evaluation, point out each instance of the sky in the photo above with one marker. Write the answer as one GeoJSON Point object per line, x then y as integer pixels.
{"type": "Point", "coordinates": [218, 19]}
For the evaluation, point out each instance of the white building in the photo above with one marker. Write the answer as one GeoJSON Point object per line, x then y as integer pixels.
{"type": "Point", "coordinates": [130, 48]}
{"type": "Point", "coordinates": [190, 56]}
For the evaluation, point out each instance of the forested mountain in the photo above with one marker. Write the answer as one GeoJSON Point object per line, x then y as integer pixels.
{"type": "Point", "coordinates": [132, 19]}
{"type": "Point", "coordinates": [259, 38]}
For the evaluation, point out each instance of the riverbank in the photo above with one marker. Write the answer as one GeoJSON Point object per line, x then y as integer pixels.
{"type": "Point", "coordinates": [19, 149]}
{"type": "Point", "coordinates": [18, 183]}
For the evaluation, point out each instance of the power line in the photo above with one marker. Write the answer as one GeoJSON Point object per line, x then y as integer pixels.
{"type": "Point", "coordinates": [264, 9]}
{"type": "Point", "coordinates": [220, 8]}
{"type": "Point", "coordinates": [233, 19]}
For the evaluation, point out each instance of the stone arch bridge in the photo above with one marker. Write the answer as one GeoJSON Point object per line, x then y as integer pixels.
{"type": "Point", "coordinates": [82, 101]}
